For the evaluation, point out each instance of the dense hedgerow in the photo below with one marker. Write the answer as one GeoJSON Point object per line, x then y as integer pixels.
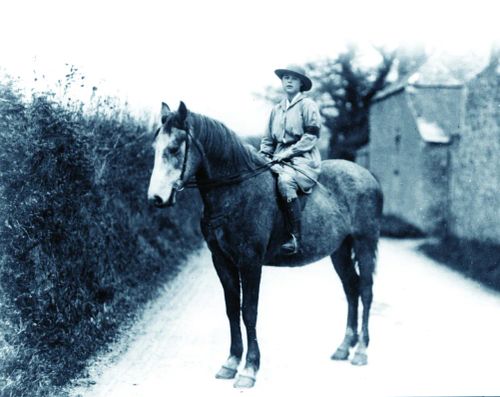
{"type": "Point", "coordinates": [80, 249]}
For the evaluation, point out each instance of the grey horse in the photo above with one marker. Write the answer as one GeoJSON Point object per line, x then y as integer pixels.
{"type": "Point", "coordinates": [244, 226]}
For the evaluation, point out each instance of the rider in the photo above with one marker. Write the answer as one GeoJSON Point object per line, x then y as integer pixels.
{"type": "Point", "coordinates": [292, 135]}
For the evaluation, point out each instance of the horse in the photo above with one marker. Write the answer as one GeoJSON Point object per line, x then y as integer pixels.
{"type": "Point", "coordinates": [244, 226]}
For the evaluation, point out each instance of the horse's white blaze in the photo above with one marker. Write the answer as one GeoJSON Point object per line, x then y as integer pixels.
{"type": "Point", "coordinates": [164, 173]}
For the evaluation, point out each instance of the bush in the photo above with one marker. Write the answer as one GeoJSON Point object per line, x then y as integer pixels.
{"type": "Point", "coordinates": [80, 248]}
{"type": "Point", "coordinates": [478, 260]}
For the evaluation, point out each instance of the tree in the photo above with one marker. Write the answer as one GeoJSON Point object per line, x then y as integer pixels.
{"type": "Point", "coordinates": [344, 89]}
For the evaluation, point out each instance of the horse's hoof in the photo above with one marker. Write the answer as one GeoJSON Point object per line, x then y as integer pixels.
{"type": "Point", "coordinates": [244, 382]}
{"type": "Point", "coordinates": [226, 373]}
{"type": "Point", "coordinates": [341, 354]}
{"type": "Point", "coordinates": [359, 359]}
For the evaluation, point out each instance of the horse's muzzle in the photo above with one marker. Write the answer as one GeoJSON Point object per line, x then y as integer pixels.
{"type": "Point", "coordinates": [158, 202]}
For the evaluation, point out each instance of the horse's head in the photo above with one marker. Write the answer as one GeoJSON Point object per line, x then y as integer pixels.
{"type": "Point", "coordinates": [174, 163]}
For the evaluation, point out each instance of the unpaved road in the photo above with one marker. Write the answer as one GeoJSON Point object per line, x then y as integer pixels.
{"type": "Point", "coordinates": [433, 332]}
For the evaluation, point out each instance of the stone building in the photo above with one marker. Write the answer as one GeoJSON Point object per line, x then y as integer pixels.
{"type": "Point", "coordinates": [475, 161]}
{"type": "Point", "coordinates": [434, 144]}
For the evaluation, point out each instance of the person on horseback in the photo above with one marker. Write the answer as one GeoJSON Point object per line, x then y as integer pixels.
{"type": "Point", "coordinates": [291, 139]}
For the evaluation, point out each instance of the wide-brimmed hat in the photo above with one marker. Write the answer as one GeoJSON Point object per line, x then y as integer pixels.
{"type": "Point", "coordinates": [296, 71]}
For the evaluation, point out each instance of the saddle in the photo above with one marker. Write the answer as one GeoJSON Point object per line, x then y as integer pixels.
{"type": "Point", "coordinates": [301, 195]}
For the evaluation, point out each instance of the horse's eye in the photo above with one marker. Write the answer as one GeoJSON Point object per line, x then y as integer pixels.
{"type": "Point", "coordinates": [174, 150]}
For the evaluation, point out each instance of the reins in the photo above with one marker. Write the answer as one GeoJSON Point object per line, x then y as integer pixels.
{"type": "Point", "coordinates": [215, 182]}
{"type": "Point", "coordinates": [232, 179]}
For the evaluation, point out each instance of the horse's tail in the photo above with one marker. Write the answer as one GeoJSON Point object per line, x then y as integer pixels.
{"type": "Point", "coordinates": [379, 197]}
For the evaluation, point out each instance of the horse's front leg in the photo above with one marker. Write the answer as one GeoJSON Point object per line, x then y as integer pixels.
{"type": "Point", "coordinates": [250, 281]}
{"type": "Point", "coordinates": [229, 277]}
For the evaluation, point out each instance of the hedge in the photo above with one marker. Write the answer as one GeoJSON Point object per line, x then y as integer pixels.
{"type": "Point", "coordinates": [80, 248]}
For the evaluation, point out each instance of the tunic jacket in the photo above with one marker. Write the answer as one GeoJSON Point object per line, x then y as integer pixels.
{"type": "Point", "coordinates": [294, 132]}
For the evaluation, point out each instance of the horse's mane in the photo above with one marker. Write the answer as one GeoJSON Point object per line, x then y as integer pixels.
{"type": "Point", "coordinates": [222, 145]}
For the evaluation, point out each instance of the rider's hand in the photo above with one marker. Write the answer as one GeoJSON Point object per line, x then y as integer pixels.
{"type": "Point", "coordinates": [281, 156]}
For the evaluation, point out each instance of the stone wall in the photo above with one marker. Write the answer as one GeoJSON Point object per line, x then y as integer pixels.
{"type": "Point", "coordinates": [435, 178]}
{"type": "Point", "coordinates": [475, 162]}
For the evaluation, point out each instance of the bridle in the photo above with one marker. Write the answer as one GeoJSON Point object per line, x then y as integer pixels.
{"type": "Point", "coordinates": [208, 183]}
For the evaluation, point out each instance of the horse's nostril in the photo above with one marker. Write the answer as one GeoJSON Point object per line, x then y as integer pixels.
{"type": "Point", "coordinates": [157, 200]}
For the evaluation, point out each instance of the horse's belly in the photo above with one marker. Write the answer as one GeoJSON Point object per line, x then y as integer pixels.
{"type": "Point", "coordinates": [296, 260]}
{"type": "Point", "coordinates": [311, 250]}
{"type": "Point", "coordinates": [324, 227]}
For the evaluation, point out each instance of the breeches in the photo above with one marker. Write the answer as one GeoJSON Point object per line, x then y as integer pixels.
{"type": "Point", "coordinates": [287, 186]}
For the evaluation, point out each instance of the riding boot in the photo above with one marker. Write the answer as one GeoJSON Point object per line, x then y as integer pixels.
{"type": "Point", "coordinates": [292, 212]}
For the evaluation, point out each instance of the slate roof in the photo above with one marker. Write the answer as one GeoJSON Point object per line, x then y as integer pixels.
{"type": "Point", "coordinates": [438, 71]}
{"type": "Point", "coordinates": [434, 97]}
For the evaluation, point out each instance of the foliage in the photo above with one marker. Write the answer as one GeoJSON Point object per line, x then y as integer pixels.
{"type": "Point", "coordinates": [344, 90]}
{"type": "Point", "coordinates": [80, 250]}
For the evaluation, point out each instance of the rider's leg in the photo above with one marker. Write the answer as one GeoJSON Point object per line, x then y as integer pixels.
{"type": "Point", "coordinates": [288, 190]}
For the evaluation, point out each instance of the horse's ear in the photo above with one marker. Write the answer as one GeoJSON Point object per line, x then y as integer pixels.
{"type": "Point", "coordinates": [182, 111]}
{"type": "Point", "coordinates": [165, 111]}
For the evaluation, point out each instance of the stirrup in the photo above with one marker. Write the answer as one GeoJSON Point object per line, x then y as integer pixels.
{"type": "Point", "coordinates": [291, 247]}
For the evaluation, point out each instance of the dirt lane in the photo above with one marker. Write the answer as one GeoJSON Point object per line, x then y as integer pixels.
{"type": "Point", "coordinates": [433, 332]}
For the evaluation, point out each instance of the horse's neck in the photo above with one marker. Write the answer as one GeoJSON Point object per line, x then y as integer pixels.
{"type": "Point", "coordinates": [219, 170]}
{"type": "Point", "coordinates": [225, 157]}
{"type": "Point", "coordinates": [228, 199]}
{"type": "Point", "coordinates": [216, 167]}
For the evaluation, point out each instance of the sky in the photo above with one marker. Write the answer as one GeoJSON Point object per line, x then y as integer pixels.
{"type": "Point", "coordinates": [216, 54]}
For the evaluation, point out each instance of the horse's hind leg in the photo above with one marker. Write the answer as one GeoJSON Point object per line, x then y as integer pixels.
{"type": "Point", "coordinates": [365, 252]}
{"type": "Point", "coordinates": [342, 261]}
{"type": "Point", "coordinates": [229, 277]}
